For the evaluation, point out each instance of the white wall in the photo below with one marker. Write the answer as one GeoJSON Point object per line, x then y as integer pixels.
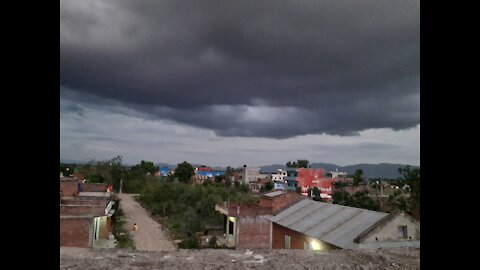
{"type": "Point", "coordinates": [389, 232]}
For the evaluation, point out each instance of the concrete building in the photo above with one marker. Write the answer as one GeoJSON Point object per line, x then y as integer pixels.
{"type": "Point", "coordinates": [288, 220]}
{"type": "Point", "coordinates": [279, 176]}
{"type": "Point", "coordinates": [291, 179]}
{"type": "Point", "coordinates": [335, 174]}
{"type": "Point", "coordinates": [248, 175]}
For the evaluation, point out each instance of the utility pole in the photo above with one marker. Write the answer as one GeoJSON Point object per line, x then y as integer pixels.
{"type": "Point", "coordinates": [381, 197]}
{"type": "Point", "coordinates": [121, 182]}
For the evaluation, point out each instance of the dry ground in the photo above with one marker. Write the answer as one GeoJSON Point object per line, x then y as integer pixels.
{"type": "Point", "coordinates": [149, 236]}
{"type": "Point", "coordinates": [79, 258]}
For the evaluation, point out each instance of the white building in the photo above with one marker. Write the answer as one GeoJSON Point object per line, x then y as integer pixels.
{"type": "Point", "coordinates": [278, 177]}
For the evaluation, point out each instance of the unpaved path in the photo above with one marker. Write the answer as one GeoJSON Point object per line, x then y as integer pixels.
{"type": "Point", "coordinates": [149, 236]}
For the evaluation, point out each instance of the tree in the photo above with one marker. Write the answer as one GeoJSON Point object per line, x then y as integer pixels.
{"type": "Point", "coordinates": [243, 187]}
{"type": "Point", "coordinates": [357, 177]}
{"type": "Point", "coordinates": [219, 178]}
{"type": "Point", "coordinates": [300, 163]}
{"type": "Point", "coordinates": [342, 198]}
{"type": "Point", "coordinates": [228, 182]}
{"type": "Point", "coordinates": [291, 164]}
{"type": "Point", "coordinates": [184, 172]}
{"type": "Point", "coordinates": [67, 169]}
{"type": "Point", "coordinates": [269, 185]}
{"type": "Point", "coordinates": [412, 178]}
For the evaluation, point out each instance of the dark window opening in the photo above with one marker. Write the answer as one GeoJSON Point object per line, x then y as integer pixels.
{"type": "Point", "coordinates": [403, 232]}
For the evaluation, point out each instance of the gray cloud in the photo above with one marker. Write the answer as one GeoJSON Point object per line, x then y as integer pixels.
{"type": "Point", "coordinates": [247, 68]}
{"type": "Point", "coordinates": [102, 134]}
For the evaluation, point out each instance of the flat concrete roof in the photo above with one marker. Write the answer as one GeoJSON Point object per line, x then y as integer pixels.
{"type": "Point", "coordinates": [274, 193]}
{"type": "Point", "coordinates": [79, 216]}
{"type": "Point", "coordinates": [95, 194]}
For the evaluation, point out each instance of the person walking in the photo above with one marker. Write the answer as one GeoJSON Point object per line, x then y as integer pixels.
{"type": "Point", "coordinates": [135, 227]}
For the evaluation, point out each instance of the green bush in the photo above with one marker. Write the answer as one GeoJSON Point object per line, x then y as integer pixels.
{"type": "Point", "coordinates": [213, 242]}
{"type": "Point", "coordinates": [188, 244]}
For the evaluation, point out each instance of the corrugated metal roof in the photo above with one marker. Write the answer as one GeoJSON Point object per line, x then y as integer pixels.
{"type": "Point", "coordinates": [332, 223]}
{"type": "Point", "coordinates": [274, 193]}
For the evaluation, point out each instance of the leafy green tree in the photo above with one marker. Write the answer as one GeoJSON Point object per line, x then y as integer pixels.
{"type": "Point", "coordinates": [219, 178]}
{"type": "Point", "coordinates": [191, 221]}
{"type": "Point", "coordinates": [269, 185]}
{"type": "Point", "coordinates": [67, 169]}
{"type": "Point", "coordinates": [300, 163]}
{"type": "Point", "coordinates": [96, 178]}
{"type": "Point", "coordinates": [291, 164]}
{"type": "Point", "coordinates": [342, 198]}
{"type": "Point", "coordinates": [358, 177]}
{"type": "Point", "coordinates": [228, 182]}
{"type": "Point", "coordinates": [243, 188]}
{"type": "Point", "coordinates": [184, 172]}
{"type": "Point", "coordinates": [412, 178]}
{"type": "Point", "coordinates": [359, 199]}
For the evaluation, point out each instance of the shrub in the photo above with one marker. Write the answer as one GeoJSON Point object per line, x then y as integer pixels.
{"type": "Point", "coordinates": [191, 243]}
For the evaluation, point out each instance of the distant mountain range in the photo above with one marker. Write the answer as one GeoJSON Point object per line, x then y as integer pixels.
{"type": "Point", "coordinates": [381, 170]}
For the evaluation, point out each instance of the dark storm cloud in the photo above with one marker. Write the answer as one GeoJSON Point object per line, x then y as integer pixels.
{"type": "Point", "coordinates": [249, 68]}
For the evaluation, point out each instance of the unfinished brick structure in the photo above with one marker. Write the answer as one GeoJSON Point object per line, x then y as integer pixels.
{"type": "Point", "coordinates": [83, 213]}
{"type": "Point", "coordinates": [92, 187]}
{"type": "Point", "coordinates": [76, 231]}
{"type": "Point", "coordinates": [69, 187]}
{"type": "Point", "coordinates": [246, 226]}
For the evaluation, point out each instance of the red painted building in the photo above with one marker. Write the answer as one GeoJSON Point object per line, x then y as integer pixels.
{"type": "Point", "coordinates": [309, 178]}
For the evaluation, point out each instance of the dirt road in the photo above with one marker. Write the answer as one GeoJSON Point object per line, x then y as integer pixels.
{"type": "Point", "coordinates": [149, 236]}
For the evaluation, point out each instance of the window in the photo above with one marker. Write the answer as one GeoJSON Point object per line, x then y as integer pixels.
{"type": "Point", "coordinates": [287, 241]}
{"type": "Point", "coordinates": [403, 232]}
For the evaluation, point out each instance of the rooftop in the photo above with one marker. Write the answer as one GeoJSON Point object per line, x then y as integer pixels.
{"type": "Point", "coordinates": [335, 224]}
{"type": "Point", "coordinates": [274, 193]}
{"type": "Point", "coordinates": [95, 194]}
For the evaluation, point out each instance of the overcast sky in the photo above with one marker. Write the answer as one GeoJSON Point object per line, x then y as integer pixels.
{"type": "Point", "coordinates": [240, 82]}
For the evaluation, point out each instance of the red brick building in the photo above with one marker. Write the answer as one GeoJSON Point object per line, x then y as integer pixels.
{"type": "Point", "coordinates": [246, 226]}
{"type": "Point", "coordinates": [85, 213]}
{"type": "Point", "coordinates": [288, 220]}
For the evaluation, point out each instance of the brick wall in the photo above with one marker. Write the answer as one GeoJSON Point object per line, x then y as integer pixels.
{"type": "Point", "coordinates": [283, 201]}
{"type": "Point", "coordinates": [69, 187]}
{"type": "Point", "coordinates": [76, 232]}
{"type": "Point", "coordinates": [82, 210]}
{"type": "Point", "coordinates": [253, 232]}
{"type": "Point", "coordinates": [93, 187]}
{"type": "Point", "coordinates": [266, 205]}
{"type": "Point", "coordinates": [278, 237]}
{"type": "Point", "coordinates": [248, 210]}
{"type": "Point", "coordinates": [79, 200]}
{"type": "Point", "coordinates": [297, 240]}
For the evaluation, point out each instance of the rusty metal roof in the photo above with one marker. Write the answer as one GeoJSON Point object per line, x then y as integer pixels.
{"type": "Point", "coordinates": [332, 223]}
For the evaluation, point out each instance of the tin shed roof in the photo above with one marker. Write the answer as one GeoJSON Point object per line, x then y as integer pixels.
{"type": "Point", "coordinates": [335, 224]}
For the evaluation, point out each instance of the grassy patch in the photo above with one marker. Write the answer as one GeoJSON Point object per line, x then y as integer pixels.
{"type": "Point", "coordinates": [118, 221]}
